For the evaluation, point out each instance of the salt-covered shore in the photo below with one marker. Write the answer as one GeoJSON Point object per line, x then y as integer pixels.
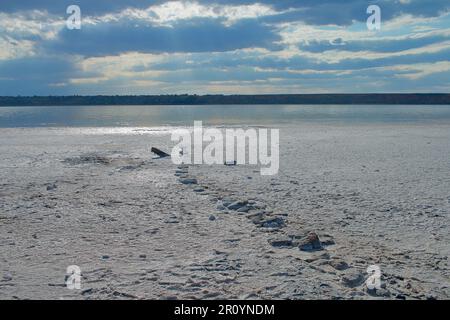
{"type": "Point", "coordinates": [373, 194]}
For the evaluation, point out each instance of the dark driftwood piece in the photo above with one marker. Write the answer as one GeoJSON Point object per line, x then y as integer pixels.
{"type": "Point", "coordinates": [160, 153]}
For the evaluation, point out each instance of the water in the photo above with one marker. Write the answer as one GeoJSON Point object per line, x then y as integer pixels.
{"type": "Point", "coordinates": [146, 116]}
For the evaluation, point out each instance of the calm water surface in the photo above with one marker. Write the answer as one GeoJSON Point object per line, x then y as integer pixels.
{"type": "Point", "coordinates": [137, 116]}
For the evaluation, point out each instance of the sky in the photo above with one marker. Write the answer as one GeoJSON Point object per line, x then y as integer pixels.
{"type": "Point", "coordinates": [223, 47]}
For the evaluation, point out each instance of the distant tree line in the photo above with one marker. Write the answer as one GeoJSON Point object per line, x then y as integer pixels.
{"type": "Point", "coordinates": [397, 98]}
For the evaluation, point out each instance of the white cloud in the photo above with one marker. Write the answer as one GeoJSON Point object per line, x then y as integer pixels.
{"type": "Point", "coordinates": [336, 56]}
{"type": "Point", "coordinates": [22, 34]}
{"type": "Point", "coordinates": [168, 13]}
{"type": "Point", "coordinates": [33, 23]}
{"type": "Point", "coordinates": [420, 70]}
{"type": "Point", "coordinates": [13, 49]}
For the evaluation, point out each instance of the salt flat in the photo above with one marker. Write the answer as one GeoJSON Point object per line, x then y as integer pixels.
{"type": "Point", "coordinates": [375, 194]}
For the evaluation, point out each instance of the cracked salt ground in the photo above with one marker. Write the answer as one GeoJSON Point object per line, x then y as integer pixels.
{"type": "Point", "coordinates": [347, 185]}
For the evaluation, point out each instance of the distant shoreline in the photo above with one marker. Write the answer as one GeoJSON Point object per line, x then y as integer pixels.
{"type": "Point", "coordinates": [283, 99]}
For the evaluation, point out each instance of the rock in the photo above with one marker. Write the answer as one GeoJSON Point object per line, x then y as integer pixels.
{"type": "Point", "coordinates": [274, 223]}
{"type": "Point", "coordinates": [160, 153]}
{"type": "Point", "coordinates": [237, 205]}
{"type": "Point", "coordinates": [124, 295]}
{"type": "Point", "coordinates": [199, 190]}
{"type": "Point", "coordinates": [226, 202]}
{"type": "Point", "coordinates": [310, 243]}
{"type": "Point", "coordinates": [353, 278]}
{"type": "Point", "coordinates": [7, 277]}
{"type": "Point", "coordinates": [379, 292]}
{"type": "Point", "coordinates": [392, 281]}
{"type": "Point", "coordinates": [51, 187]}
{"type": "Point", "coordinates": [339, 264]}
{"type": "Point", "coordinates": [258, 214]}
{"type": "Point", "coordinates": [188, 181]}
{"type": "Point", "coordinates": [282, 242]}
{"type": "Point", "coordinates": [244, 209]}
{"type": "Point", "coordinates": [327, 240]}
{"type": "Point", "coordinates": [212, 218]}
{"type": "Point", "coordinates": [256, 218]}
{"type": "Point", "coordinates": [87, 291]}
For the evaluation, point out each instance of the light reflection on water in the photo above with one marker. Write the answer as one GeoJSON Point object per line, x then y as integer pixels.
{"type": "Point", "coordinates": [219, 115]}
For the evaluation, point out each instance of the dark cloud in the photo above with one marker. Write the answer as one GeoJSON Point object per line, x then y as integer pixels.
{"type": "Point", "coordinates": [199, 35]}
{"type": "Point", "coordinates": [31, 67]}
{"type": "Point", "coordinates": [35, 75]}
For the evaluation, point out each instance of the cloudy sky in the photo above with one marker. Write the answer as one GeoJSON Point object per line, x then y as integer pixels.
{"type": "Point", "coordinates": [223, 46]}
